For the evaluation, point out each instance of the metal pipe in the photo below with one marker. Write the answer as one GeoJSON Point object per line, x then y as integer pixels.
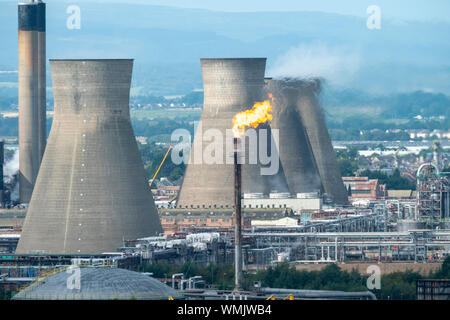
{"type": "Point", "coordinates": [238, 218]}
{"type": "Point", "coordinates": [173, 279]}
{"type": "Point", "coordinates": [320, 293]}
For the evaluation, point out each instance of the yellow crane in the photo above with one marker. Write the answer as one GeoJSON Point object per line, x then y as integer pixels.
{"type": "Point", "coordinates": [162, 162]}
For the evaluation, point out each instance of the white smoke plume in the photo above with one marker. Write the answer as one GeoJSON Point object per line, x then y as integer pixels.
{"type": "Point", "coordinates": [11, 167]}
{"type": "Point", "coordinates": [10, 171]}
{"type": "Point", "coordinates": [337, 65]}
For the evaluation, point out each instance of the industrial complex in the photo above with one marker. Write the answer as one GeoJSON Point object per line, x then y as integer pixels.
{"type": "Point", "coordinates": [85, 200]}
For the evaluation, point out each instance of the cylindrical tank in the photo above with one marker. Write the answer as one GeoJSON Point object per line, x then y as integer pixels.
{"type": "Point", "coordinates": [28, 98]}
{"type": "Point", "coordinates": [92, 191]}
{"type": "Point", "coordinates": [294, 149]}
{"type": "Point", "coordinates": [230, 86]}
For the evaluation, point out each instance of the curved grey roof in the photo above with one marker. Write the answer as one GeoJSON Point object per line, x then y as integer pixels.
{"type": "Point", "coordinates": [101, 283]}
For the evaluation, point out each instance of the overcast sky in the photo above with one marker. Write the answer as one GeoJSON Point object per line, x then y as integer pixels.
{"type": "Point", "coordinates": [431, 10]}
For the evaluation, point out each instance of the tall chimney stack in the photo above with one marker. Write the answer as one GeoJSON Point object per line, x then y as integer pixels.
{"type": "Point", "coordinates": [42, 81]}
{"type": "Point", "coordinates": [1, 170]}
{"type": "Point", "coordinates": [31, 74]}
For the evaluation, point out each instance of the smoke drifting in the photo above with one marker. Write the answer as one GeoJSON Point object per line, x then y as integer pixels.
{"type": "Point", "coordinates": [337, 65]}
{"type": "Point", "coordinates": [10, 171]}
{"type": "Point", "coordinates": [296, 155]}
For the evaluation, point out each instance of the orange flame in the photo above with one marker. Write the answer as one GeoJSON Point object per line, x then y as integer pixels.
{"type": "Point", "coordinates": [259, 113]}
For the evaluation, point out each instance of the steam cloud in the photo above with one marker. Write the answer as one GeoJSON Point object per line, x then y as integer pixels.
{"type": "Point", "coordinates": [336, 65]}
{"type": "Point", "coordinates": [10, 171]}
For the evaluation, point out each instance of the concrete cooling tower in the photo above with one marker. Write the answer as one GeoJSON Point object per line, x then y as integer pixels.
{"type": "Point", "coordinates": [294, 149]}
{"type": "Point", "coordinates": [91, 192]}
{"type": "Point", "coordinates": [230, 86]}
{"type": "Point", "coordinates": [313, 120]}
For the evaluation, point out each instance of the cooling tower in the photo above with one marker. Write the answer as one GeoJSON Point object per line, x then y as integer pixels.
{"type": "Point", "coordinates": [28, 98]}
{"type": "Point", "coordinates": [294, 149]}
{"type": "Point", "coordinates": [230, 86]}
{"type": "Point", "coordinates": [277, 183]}
{"type": "Point", "coordinates": [92, 190]}
{"type": "Point", "coordinates": [313, 120]}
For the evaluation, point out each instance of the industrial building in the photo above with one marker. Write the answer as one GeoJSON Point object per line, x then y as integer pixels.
{"type": "Point", "coordinates": [92, 191]}
{"type": "Point", "coordinates": [433, 193]}
{"type": "Point", "coordinates": [88, 194]}
{"type": "Point", "coordinates": [311, 201]}
{"type": "Point", "coordinates": [364, 188]}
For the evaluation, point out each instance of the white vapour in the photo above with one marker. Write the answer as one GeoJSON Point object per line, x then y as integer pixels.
{"type": "Point", "coordinates": [337, 65]}
{"type": "Point", "coordinates": [11, 167]}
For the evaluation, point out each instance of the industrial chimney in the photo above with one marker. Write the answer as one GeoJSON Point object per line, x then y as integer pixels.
{"type": "Point", "coordinates": [92, 190]}
{"type": "Point", "coordinates": [230, 86]}
{"type": "Point", "coordinates": [42, 80]}
{"type": "Point", "coordinates": [2, 160]}
{"type": "Point", "coordinates": [32, 86]}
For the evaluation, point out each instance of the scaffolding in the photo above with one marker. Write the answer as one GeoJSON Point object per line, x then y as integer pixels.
{"type": "Point", "coordinates": [414, 246]}
{"type": "Point", "coordinates": [433, 194]}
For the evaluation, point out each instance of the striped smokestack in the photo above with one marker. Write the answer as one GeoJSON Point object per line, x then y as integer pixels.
{"type": "Point", "coordinates": [28, 98]}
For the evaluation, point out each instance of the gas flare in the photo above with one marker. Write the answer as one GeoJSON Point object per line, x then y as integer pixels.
{"type": "Point", "coordinates": [261, 112]}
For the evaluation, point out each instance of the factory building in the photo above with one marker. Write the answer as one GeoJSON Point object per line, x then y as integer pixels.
{"type": "Point", "coordinates": [192, 220]}
{"type": "Point", "coordinates": [302, 201]}
{"type": "Point", "coordinates": [92, 191]}
{"type": "Point", "coordinates": [364, 188]}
